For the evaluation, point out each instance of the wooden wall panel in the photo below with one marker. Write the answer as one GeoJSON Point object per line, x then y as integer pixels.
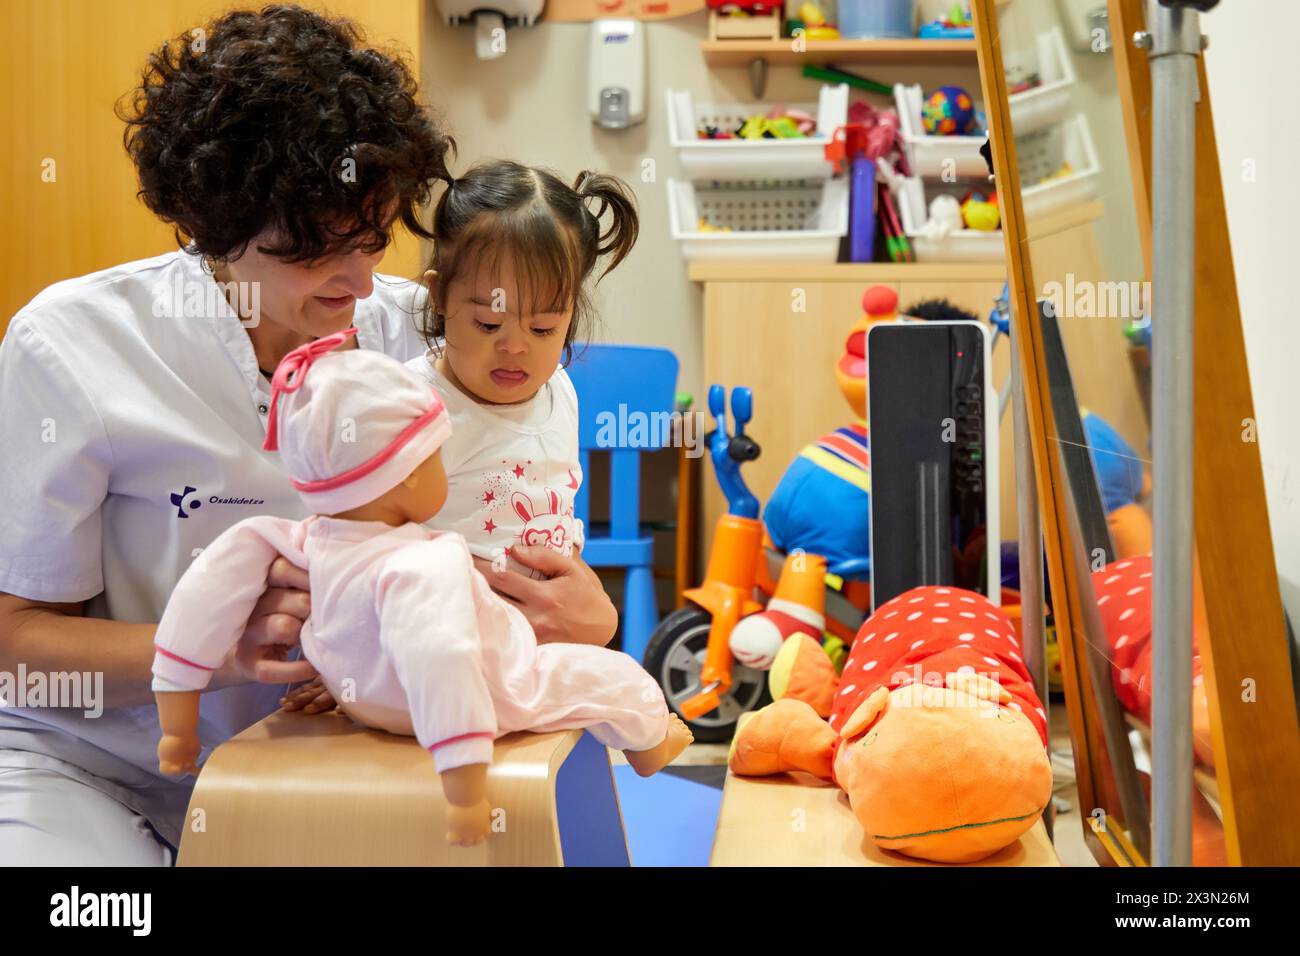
{"type": "Point", "coordinates": [66, 62]}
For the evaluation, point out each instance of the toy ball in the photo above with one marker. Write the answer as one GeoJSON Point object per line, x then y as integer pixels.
{"type": "Point", "coordinates": [755, 642]}
{"type": "Point", "coordinates": [949, 111]}
{"type": "Point", "coordinates": [879, 300]}
{"type": "Point", "coordinates": [980, 214]}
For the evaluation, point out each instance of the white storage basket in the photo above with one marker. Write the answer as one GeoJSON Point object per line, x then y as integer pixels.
{"type": "Point", "coordinates": [960, 245]}
{"type": "Point", "coordinates": [1047, 103]}
{"type": "Point", "coordinates": [799, 219]}
{"type": "Point", "coordinates": [933, 157]}
{"type": "Point", "coordinates": [752, 159]}
{"type": "Point", "coordinates": [1042, 153]}
{"type": "Point", "coordinates": [1039, 154]}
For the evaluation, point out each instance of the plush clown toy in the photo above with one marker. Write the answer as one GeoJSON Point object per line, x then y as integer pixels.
{"type": "Point", "coordinates": [933, 730]}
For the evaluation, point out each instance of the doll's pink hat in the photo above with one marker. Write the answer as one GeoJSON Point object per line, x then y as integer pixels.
{"type": "Point", "coordinates": [355, 427]}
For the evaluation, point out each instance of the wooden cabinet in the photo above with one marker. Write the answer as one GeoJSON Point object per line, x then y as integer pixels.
{"type": "Point", "coordinates": [756, 335]}
{"type": "Point", "coordinates": [780, 328]}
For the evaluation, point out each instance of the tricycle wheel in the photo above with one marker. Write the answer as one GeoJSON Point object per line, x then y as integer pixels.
{"type": "Point", "coordinates": [675, 656]}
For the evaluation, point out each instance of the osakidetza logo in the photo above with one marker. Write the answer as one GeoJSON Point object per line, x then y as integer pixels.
{"type": "Point", "coordinates": [78, 909]}
{"type": "Point", "coordinates": [191, 499]}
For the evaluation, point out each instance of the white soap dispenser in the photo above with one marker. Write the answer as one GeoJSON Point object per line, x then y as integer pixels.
{"type": "Point", "coordinates": [616, 77]}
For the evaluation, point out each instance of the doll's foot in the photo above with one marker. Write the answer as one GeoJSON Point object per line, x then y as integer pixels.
{"type": "Point", "coordinates": [647, 762]}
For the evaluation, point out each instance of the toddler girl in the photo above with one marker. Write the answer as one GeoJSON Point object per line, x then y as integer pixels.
{"type": "Point", "coordinates": [513, 249]}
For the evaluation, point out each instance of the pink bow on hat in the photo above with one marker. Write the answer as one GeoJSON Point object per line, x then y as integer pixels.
{"type": "Point", "coordinates": [284, 380]}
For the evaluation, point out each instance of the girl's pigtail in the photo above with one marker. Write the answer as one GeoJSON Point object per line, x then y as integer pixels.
{"type": "Point", "coordinates": [615, 240]}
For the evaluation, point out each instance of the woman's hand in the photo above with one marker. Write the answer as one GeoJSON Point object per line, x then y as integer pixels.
{"type": "Point", "coordinates": [569, 605]}
{"type": "Point", "coordinates": [271, 633]}
{"type": "Point", "coordinates": [310, 698]}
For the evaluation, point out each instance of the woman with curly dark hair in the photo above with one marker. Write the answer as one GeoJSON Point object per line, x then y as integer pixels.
{"type": "Point", "coordinates": [133, 404]}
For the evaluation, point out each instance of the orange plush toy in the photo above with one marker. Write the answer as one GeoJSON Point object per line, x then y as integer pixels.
{"type": "Point", "coordinates": [934, 731]}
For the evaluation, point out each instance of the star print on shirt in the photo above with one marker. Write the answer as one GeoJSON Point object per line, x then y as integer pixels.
{"type": "Point", "coordinates": [488, 497]}
{"type": "Point", "coordinates": [489, 526]}
{"type": "Point", "coordinates": [519, 471]}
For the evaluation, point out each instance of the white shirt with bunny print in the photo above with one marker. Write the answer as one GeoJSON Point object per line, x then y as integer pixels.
{"type": "Point", "coordinates": [512, 470]}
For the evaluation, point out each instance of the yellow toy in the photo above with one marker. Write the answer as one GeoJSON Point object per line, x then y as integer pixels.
{"type": "Point", "coordinates": [815, 26]}
{"type": "Point", "coordinates": [980, 214]}
{"type": "Point", "coordinates": [706, 226]}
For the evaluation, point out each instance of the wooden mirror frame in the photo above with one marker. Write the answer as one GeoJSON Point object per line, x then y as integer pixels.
{"type": "Point", "coordinates": [1256, 741]}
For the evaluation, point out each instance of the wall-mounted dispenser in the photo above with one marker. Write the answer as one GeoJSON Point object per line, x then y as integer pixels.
{"type": "Point", "coordinates": [490, 19]}
{"type": "Point", "coordinates": [616, 76]}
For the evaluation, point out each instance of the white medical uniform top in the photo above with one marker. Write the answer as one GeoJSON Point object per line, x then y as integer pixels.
{"type": "Point", "coordinates": [132, 416]}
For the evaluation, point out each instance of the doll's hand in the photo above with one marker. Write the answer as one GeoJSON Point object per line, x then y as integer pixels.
{"type": "Point", "coordinates": [468, 825]}
{"type": "Point", "coordinates": [569, 605]}
{"type": "Point", "coordinates": [271, 633]}
{"type": "Point", "coordinates": [310, 698]}
{"type": "Point", "coordinates": [178, 754]}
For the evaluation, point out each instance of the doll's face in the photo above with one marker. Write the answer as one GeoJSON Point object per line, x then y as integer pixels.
{"type": "Point", "coordinates": [424, 491]}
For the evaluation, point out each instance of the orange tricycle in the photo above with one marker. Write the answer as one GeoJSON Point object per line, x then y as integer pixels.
{"type": "Point", "coordinates": [708, 677]}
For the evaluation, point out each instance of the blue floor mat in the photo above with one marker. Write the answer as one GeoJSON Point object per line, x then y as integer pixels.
{"type": "Point", "coordinates": [669, 820]}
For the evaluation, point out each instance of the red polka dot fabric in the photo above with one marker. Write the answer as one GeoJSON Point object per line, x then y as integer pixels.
{"type": "Point", "coordinates": [927, 633]}
{"type": "Point", "coordinates": [1123, 591]}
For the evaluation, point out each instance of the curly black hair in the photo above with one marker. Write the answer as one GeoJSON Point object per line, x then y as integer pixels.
{"type": "Point", "coordinates": [283, 119]}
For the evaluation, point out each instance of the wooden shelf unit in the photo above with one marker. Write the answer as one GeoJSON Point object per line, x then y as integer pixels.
{"type": "Point", "coordinates": [783, 53]}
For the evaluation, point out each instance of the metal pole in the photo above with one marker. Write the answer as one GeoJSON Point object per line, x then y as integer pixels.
{"type": "Point", "coordinates": [1174, 44]}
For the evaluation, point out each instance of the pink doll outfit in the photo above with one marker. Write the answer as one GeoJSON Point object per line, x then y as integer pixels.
{"type": "Point", "coordinates": [406, 633]}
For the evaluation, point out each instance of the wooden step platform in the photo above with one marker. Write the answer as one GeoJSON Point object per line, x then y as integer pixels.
{"type": "Point", "coordinates": [798, 820]}
{"type": "Point", "coordinates": [304, 790]}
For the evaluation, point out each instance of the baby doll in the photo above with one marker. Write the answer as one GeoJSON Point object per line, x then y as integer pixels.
{"type": "Point", "coordinates": [408, 637]}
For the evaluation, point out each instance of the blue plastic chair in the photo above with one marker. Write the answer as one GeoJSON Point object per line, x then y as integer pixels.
{"type": "Point", "coordinates": [625, 396]}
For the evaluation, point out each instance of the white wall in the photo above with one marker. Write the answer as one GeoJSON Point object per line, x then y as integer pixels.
{"type": "Point", "coordinates": [1254, 74]}
{"type": "Point", "coordinates": [530, 105]}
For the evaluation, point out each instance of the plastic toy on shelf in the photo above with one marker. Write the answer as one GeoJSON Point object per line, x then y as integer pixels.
{"type": "Point", "coordinates": [949, 111]}
{"type": "Point", "coordinates": [956, 24]}
{"type": "Point", "coordinates": [812, 21]}
{"type": "Point", "coordinates": [729, 142]}
{"type": "Point", "coordinates": [744, 20]}
{"type": "Point", "coordinates": [980, 212]}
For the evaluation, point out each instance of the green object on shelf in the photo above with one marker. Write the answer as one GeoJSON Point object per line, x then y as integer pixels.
{"type": "Point", "coordinates": [683, 401]}
{"type": "Point", "coordinates": [831, 74]}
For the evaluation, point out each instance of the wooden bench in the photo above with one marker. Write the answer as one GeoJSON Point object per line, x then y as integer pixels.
{"type": "Point", "coordinates": [301, 790]}
{"type": "Point", "coordinates": [799, 820]}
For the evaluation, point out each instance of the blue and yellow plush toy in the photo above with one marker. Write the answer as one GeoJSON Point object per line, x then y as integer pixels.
{"type": "Point", "coordinates": [820, 515]}
{"type": "Point", "coordinates": [1125, 482]}
{"type": "Point", "coordinates": [822, 504]}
